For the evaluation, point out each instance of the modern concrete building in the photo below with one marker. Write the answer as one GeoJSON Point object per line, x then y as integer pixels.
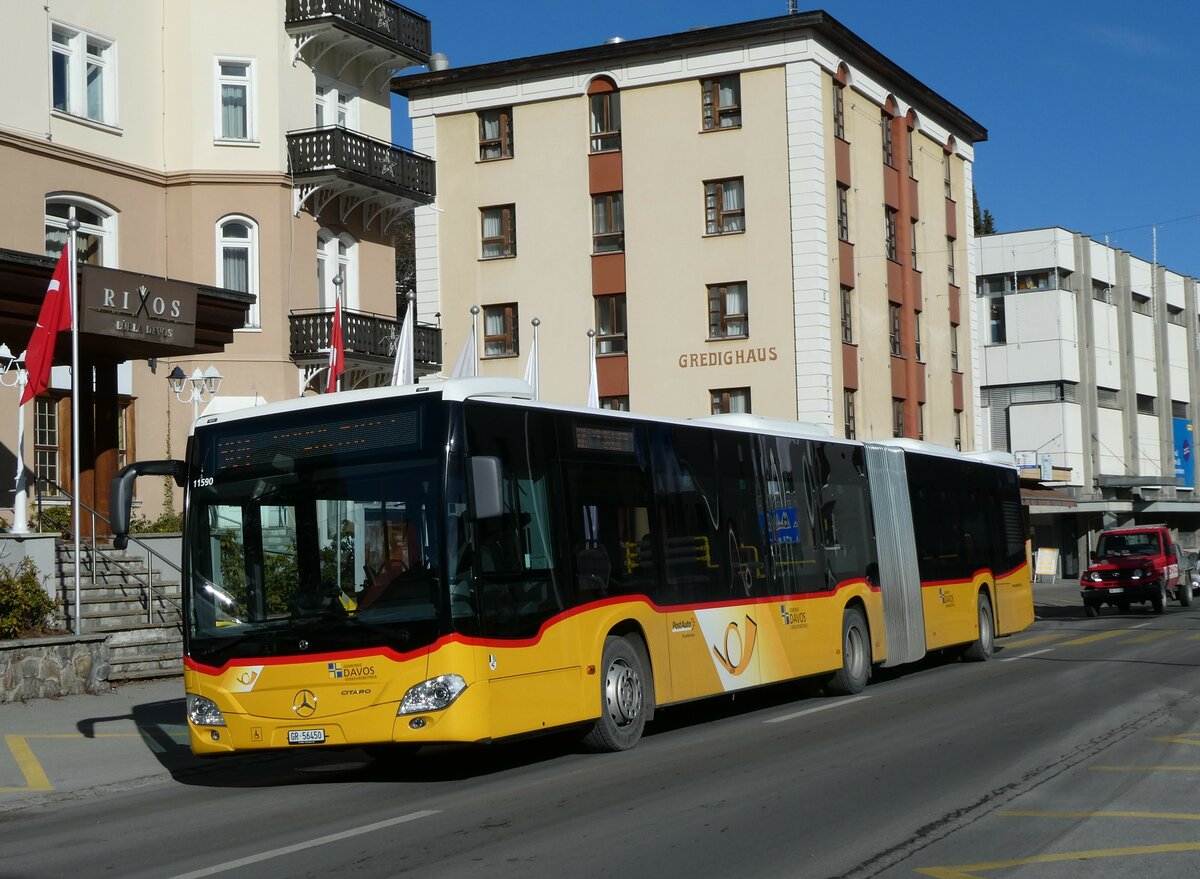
{"type": "Point", "coordinates": [1089, 370]}
{"type": "Point", "coordinates": [769, 217]}
{"type": "Point", "coordinates": [234, 146]}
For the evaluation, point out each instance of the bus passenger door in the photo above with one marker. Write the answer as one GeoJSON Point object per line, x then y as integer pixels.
{"type": "Point", "coordinates": [731, 627]}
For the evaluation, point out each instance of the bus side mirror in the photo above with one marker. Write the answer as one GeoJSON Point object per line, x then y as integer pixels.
{"type": "Point", "coordinates": [485, 484]}
{"type": "Point", "coordinates": [120, 498]}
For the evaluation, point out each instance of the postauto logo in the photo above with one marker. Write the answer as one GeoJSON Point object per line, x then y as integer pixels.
{"type": "Point", "coordinates": [351, 671]}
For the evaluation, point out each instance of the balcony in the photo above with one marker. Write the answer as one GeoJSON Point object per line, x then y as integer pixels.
{"type": "Point", "coordinates": [381, 36]}
{"type": "Point", "coordinates": [334, 163]}
{"type": "Point", "coordinates": [370, 343]}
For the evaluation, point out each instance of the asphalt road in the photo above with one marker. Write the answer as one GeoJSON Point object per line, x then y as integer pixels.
{"type": "Point", "coordinates": [1072, 752]}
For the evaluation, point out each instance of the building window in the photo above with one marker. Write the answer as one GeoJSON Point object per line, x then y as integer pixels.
{"type": "Point", "coordinates": [951, 272]}
{"type": "Point", "coordinates": [847, 313]}
{"type": "Point", "coordinates": [83, 74]}
{"type": "Point", "coordinates": [235, 99]}
{"type": "Point", "coordinates": [848, 423]}
{"type": "Point", "coordinates": [912, 237]}
{"type": "Point", "coordinates": [996, 328]}
{"type": "Point", "coordinates": [616, 404]}
{"type": "Point", "coordinates": [721, 102]}
{"type": "Point", "coordinates": [237, 260]}
{"type": "Point", "coordinates": [337, 257]}
{"type": "Point", "coordinates": [500, 330]}
{"type": "Point", "coordinates": [954, 347]}
{"type": "Point", "coordinates": [912, 172]}
{"type": "Point", "coordinates": [495, 134]}
{"type": "Point", "coordinates": [1102, 291]}
{"type": "Point", "coordinates": [889, 219]}
{"type": "Point", "coordinates": [843, 215]}
{"type": "Point", "coordinates": [1108, 398]}
{"type": "Point", "coordinates": [958, 429]}
{"type": "Point", "coordinates": [606, 121]}
{"type": "Point", "coordinates": [1175, 316]}
{"type": "Point", "coordinates": [608, 223]}
{"type": "Point", "coordinates": [917, 336]}
{"type": "Point", "coordinates": [726, 400]}
{"type": "Point", "coordinates": [897, 417]}
{"type": "Point", "coordinates": [1146, 405]}
{"type": "Point", "coordinates": [889, 144]}
{"type": "Point", "coordinates": [894, 323]}
{"type": "Point", "coordinates": [335, 104]}
{"type": "Point", "coordinates": [839, 110]}
{"type": "Point", "coordinates": [46, 442]}
{"type": "Point", "coordinates": [611, 324]}
{"type": "Point", "coordinates": [95, 240]}
{"type": "Point", "coordinates": [728, 311]}
{"type": "Point", "coordinates": [499, 225]}
{"type": "Point", "coordinates": [946, 175]}
{"type": "Point", "coordinates": [724, 206]}
{"type": "Point", "coordinates": [1141, 304]}
{"type": "Point", "coordinates": [920, 421]}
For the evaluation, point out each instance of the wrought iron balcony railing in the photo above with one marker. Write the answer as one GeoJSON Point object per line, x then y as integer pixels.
{"type": "Point", "coordinates": [322, 153]}
{"type": "Point", "coordinates": [381, 23]}
{"type": "Point", "coordinates": [367, 337]}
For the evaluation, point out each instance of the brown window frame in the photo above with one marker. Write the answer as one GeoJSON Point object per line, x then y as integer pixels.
{"type": "Point", "coordinates": [616, 341]}
{"type": "Point", "coordinates": [720, 318]}
{"type": "Point", "coordinates": [849, 421]}
{"type": "Point", "coordinates": [721, 398]}
{"type": "Point", "coordinates": [503, 142]}
{"type": "Point", "coordinates": [843, 212]}
{"type": "Point", "coordinates": [715, 212]}
{"type": "Point", "coordinates": [508, 338]}
{"type": "Point", "coordinates": [890, 221]}
{"type": "Point", "coordinates": [610, 206]}
{"type": "Point", "coordinates": [895, 336]}
{"type": "Point", "coordinates": [712, 112]}
{"type": "Point", "coordinates": [839, 110]}
{"type": "Point", "coordinates": [897, 417]}
{"type": "Point", "coordinates": [605, 135]}
{"type": "Point", "coordinates": [847, 314]}
{"type": "Point", "coordinates": [51, 443]}
{"type": "Point", "coordinates": [618, 403]}
{"type": "Point", "coordinates": [889, 139]}
{"type": "Point", "coordinates": [951, 267]}
{"type": "Point", "coordinates": [954, 348]}
{"type": "Point", "coordinates": [507, 239]}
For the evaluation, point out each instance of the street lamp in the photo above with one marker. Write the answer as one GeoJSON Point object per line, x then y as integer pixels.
{"type": "Point", "coordinates": [13, 375]}
{"type": "Point", "coordinates": [199, 387]}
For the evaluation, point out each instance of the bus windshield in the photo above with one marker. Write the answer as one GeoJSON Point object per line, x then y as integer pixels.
{"type": "Point", "coordinates": [327, 533]}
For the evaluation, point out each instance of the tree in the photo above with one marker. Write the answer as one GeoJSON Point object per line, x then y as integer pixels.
{"type": "Point", "coordinates": [985, 223]}
{"type": "Point", "coordinates": [406, 262]}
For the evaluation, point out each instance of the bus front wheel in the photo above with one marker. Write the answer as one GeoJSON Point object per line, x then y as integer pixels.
{"type": "Point", "coordinates": [623, 695]}
{"type": "Point", "coordinates": [856, 655]}
{"type": "Point", "coordinates": [983, 646]}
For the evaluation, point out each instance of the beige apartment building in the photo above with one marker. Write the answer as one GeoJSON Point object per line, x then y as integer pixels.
{"type": "Point", "coordinates": [768, 217]}
{"type": "Point", "coordinates": [242, 149]}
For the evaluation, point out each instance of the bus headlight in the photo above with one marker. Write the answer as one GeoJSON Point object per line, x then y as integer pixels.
{"type": "Point", "coordinates": [434, 694]}
{"type": "Point", "coordinates": [203, 712]}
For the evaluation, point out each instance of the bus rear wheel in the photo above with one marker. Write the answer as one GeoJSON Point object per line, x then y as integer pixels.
{"type": "Point", "coordinates": [623, 698]}
{"type": "Point", "coordinates": [985, 644]}
{"type": "Point", "coordinates": [856, 655]}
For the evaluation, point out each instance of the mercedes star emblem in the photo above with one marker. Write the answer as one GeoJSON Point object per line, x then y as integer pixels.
{"type": "Point", "coordinates": [304, 703]}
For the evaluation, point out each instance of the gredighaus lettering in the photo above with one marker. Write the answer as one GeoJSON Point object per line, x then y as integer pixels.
{"type": "Point", "coordinates": [728, 358]}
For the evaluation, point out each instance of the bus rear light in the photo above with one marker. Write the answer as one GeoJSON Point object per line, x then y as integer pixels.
{"type": "Point", "coordinates": [203, 712]}
{"type": "Point", "coordinates": [434, 694]}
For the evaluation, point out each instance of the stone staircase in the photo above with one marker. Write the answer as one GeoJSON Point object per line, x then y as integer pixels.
{"type": "Point", "coordinates": [144, 626]}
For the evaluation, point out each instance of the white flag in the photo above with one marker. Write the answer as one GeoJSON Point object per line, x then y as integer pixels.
{"type": "Point", "coordinates": [531, 366]}
{"type": "Point", "coordinates": [464, 367]}
{"type": "Point", "coordinates": [403, 372]}
{"type": "Point", "coordinates": [593, 398]}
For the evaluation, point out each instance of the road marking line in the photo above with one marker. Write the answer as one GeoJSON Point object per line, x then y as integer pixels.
{"type": "Point", "coordinates": [968, 871]}
{"type": "Point", "coordinates": [27, 762]}
{"type": "Point", "coordinates": [1171, 816]}
{"type": "Point", "coordinates": [796, 714]}
{"type": "Point", "coordinates": [1144, 768]}
{"type": "Point", "coordinates": [1091, 639]}
{"type": "Point", "coordinates": [1140, 626]}
{"type": "Point", "coordinates": [301, 846]}
{"type": "Point", "coordinates": [31, 769]}
{"type": "Point", "coordinates": [1190, 739]}
{"type": "Point", "coordinates": [1027, 655]}
{"type": "Point", "coordinates": [1193, 637]}
{"type": "Point", "coordinates": [1152, 636]}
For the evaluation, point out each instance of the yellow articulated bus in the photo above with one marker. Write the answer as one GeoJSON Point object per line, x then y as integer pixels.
{"type": "Point", "coordinates": [454, 562]}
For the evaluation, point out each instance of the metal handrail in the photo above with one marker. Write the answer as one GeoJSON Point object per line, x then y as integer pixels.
{"type": "Point", "coordinates": [146, 584]}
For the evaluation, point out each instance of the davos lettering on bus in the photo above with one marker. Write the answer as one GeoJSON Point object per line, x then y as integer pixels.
{"type": "Point", "coordinates": [728, 358]}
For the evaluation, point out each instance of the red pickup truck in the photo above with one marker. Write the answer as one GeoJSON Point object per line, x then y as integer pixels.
{"type": "Point", "coordinates": [1136, 564]}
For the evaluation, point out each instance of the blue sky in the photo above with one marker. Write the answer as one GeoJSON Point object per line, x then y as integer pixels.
{"type": "Point", "coordinates": [1090, 107]}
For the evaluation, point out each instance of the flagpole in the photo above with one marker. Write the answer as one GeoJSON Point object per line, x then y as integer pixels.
{"type": "Point", "coordinates": [337, 296]}
{"type": "Point", "coordinates": [76, 384]}
{"type": "Point", "coordinates": [475, 338]}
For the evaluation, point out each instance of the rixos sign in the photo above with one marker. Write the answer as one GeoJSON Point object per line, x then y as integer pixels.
{"type": "Point", "coordinates": [130, 306]}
